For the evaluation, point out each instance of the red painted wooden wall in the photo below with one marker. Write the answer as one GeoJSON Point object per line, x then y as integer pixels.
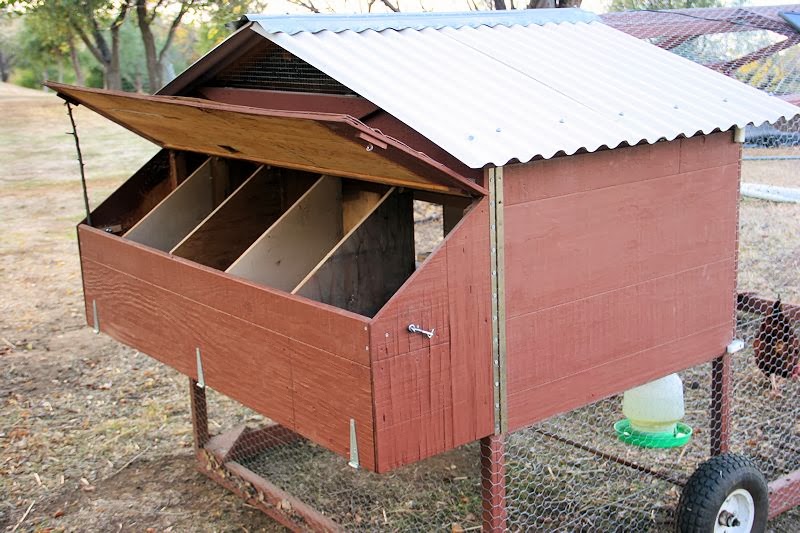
{"type": "Point", "coordinates": [620, 268]}
{"type": "Point", "coordinates": [433, 395]}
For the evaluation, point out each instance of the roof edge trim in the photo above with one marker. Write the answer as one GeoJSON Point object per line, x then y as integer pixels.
{"type": "Point", "coordinates": [315, 23]}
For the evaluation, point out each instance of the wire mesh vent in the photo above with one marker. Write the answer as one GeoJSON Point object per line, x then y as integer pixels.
{"type": "Point", "coordinates": [269, 67]}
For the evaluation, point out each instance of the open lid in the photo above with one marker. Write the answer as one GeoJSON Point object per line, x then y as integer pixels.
{"type": "Point", "coordinates": [328, 143]}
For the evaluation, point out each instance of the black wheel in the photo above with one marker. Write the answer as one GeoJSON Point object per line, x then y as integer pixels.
{"type": "Point", "coordinates": [725, 494]}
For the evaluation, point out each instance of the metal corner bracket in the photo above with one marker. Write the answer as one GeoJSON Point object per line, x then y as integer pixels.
{"type": "Point", "coordinates": [353, 445]}
{"type": "Point", "coordinates": [96, 317]}
{"type": "Point", "coordinates": [201, 382]}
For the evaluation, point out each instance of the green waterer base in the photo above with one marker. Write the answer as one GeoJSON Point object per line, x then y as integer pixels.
{"type": "Point", "coordinates": [628, 435]}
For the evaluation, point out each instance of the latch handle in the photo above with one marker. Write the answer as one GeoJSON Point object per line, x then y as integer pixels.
{"type": "Point", "coordinates": [413, 328]}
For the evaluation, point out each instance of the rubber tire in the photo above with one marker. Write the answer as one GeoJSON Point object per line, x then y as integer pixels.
{"type": "Point", "coordinates": [711, 484]}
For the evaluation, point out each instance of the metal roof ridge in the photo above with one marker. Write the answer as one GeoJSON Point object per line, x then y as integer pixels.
{"type": "Point", "coordinates": [359, 22]}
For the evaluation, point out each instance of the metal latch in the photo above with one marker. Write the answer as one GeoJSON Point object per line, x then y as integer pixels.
{"type": "Point", "coordinates": [413, 328]}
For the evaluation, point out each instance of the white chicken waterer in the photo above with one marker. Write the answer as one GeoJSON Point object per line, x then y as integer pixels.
{"type": "Point", "coordinates": [654, 412]}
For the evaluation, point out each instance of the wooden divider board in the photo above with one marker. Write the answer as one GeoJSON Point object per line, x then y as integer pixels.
{"type": "Point", "coordinates": [177, 214]}
{"type": "Point", "coordinates": [238, 221]}
{"type": "Point", "coordinates": [296, 242]}
{"type": "Point", "coordinates": [371, 262]}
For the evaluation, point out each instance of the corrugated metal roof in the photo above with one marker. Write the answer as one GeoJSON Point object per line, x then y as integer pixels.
{"type": "Point", "coordinates": [293, 24]}
{"type": "Point", "coordinates": [491, 95]}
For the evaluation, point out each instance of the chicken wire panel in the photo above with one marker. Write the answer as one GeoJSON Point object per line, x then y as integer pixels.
{"type": "Point", "coordinates": [437, 494]}
{"type": "Point", "coordinates": [572, 473]}
{"type": "Point", "coordinates": [269, 67]}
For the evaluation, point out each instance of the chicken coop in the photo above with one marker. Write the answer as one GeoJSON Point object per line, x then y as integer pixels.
{"type": "Point", "coordinates": [585, 245]}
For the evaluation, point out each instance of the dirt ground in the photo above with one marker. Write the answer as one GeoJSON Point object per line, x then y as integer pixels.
{"type": "Point", "coordinates": [93, 435]}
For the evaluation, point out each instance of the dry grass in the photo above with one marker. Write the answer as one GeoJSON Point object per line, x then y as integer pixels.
{"type": "Point", "coordinates": [94, 435]}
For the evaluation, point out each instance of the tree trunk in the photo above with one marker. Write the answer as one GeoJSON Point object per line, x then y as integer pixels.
{"type": "Point", "coordinates": [112, 68]}
{"type": "Point", "coordinates": [4, 67]}
{"type": "Point", "coordinates": [149, 42]}
{"type": "Point", "coordinates": [76, 64]}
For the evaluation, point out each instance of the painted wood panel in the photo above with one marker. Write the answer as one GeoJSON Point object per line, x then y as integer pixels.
{"type": "Point", "coordinates": [567, 339]}
{"type": "Point", "coordinates": [593, 384]}
{"type": "Point", "coordinates": [709, 151]}
{"type": "Point", "coordinates": [331, 330]}
{"type": "Point", "coordinates": [587, 172]}
{"type": "Point", "coordinates": [617, 274]}
{"type": "Point", "coordinates": [572, 246]}
{"type": "Point", "coordinates": [434, 394]}
{"type": "Point", "coordinates": [240, 360]}
{"type": "Point", "coordinates": [308, 390]}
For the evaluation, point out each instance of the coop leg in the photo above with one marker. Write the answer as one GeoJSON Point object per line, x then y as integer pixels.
{"type": "Point", "coordinates": [197, 399]}
{"type": "Point", "coordinates": [493, 484]}
{"type": "Point", "coordinates": [721, 391]}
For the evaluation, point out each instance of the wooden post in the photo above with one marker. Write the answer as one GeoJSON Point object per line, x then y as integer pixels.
{"type": "Point", "coordinates": [493, 484]}
{"type": "Point", "coordinates": [721, 390]}
{"type": "Point", "coordinates": [177, 169]}
{"type": "Point", "coordinates": [197, 399]}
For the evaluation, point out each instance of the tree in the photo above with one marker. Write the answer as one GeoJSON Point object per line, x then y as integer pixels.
{"type": "Point", "coordinates": [90, 19]}
{"type": "Point", "coordinates": [8, 44]}
{"type": "Point", "coordinates": [146, 15]}
{"type": "Point", "coordinates": [55, 37]}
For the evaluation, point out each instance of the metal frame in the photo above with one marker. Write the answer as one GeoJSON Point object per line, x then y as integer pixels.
{"type": "Point", "coordinates": [497, 240]}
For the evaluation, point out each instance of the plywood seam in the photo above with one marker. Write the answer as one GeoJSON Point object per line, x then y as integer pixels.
{"type": "Point", "coordinates": [626, 184]}
{"type": "Point", "coordinates": [625, 358]}
{"type": "Point", "coordinates": [629, 286]}
{"type": "Point", "coordinates": [259, 326]}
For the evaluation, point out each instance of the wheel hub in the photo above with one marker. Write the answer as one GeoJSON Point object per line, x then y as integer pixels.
{"type": "Point", "coordinates": [737, 513]}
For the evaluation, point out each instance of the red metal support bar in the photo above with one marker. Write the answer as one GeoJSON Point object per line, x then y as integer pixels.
{"type": "Point", "coordinates": [784, 494]}
{"type": "Point", "coordinates": [199, 409]}
{"type": "Point", "coordinates": [493, 484]}
{"type": "Point", "coordinates": [721, 390]}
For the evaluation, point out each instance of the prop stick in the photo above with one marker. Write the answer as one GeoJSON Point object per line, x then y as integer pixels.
{"type": "Point", "coordinates": [80, 162]}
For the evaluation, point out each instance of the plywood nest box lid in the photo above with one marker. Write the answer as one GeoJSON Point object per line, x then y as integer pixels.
{"type": "Point", "coordinates": [587, 237]}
